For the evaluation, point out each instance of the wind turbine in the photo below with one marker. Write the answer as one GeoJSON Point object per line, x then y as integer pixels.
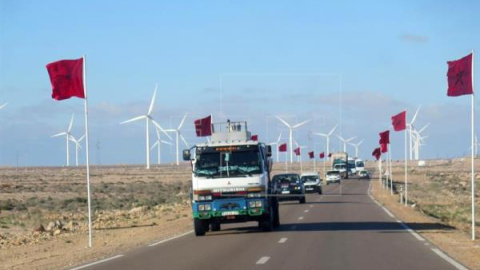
{"type": "Point", "coordinates": [177, 135]}
{"type": "Point", "coordinates": [277, 143]}
{"type": "Point", "coordinates": [67, 135]}
{"type": "Point", "coordinates": [77, 146]}
{"type": "Point", "coordinates": [328, 139]}
{"type": "Point", "coordinates": [158, 144]}
{"type": "Point", "coordinates": [356, 145]}
{"type": "Point", "coordinates": [3, 105]}
{"type": "Point", "coordinates": [345, 141]}
{"type": "Point", "coordinates": [290, 129]}
{"type": "Point", "coordinates": [148, 117]}
{"type": "Point", "coordinates": [410, 129]}
{"type": "Point", "coordinates": [418, 140]}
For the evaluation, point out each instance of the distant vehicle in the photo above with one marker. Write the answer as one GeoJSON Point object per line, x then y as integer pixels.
{"type": "Point", "coordinates": [351, 166]}
{"type": "Point", "coordinates": [363, 174]}
{"type": "Point", "coordinates": [289, 186]}
{"type": "Point", "coordinates": [340, 163]}
{"type": "Point", "coordinates": [312, 182]}
{"type": "Point", "coordinates": [333, 177]}
{"type": "Point", "coordinates": [359, 165]}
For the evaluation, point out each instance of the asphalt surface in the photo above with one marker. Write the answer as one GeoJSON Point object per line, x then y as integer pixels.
{"type": "Point", "coordinates": [342, 229]}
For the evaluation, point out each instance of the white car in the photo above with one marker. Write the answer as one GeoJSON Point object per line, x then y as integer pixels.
{"type": "Point", "coordinates": [333, 177]}
{"type": "Point", "coordinates": [311, 182]}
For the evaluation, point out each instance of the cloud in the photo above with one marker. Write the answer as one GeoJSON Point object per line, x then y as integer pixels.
{"type": "Point", "coordinates": [414, 38]}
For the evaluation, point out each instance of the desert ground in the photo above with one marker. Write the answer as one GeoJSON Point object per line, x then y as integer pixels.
{"type": "Point", "coordinates": [43, 210]}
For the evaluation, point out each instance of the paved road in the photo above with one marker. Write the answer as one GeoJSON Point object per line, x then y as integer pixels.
{"type": "Point", "coordinates": [330, 231]}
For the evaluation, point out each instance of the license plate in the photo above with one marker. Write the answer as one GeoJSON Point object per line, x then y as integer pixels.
{"type": "Point", "coordinates": [309, 188]}
{"type": "Point", "coordinates": [230, 213]}
{"type": "Point", "coordinates": [285, 192]}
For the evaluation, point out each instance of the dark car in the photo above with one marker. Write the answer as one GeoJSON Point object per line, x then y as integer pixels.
{"type": "Point", "coordinates": [289, 187]}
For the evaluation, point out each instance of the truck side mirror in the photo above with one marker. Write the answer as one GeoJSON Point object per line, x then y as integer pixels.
{"type": "Point", "coordinates": [186, 154]}
{"type": "Point", "coordinates": [269, 150]}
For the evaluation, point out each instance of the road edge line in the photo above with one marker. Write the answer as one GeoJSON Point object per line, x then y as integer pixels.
{"type": "Point", "coordinates": [169, 239]}
{"type": "Point", "coordinates": [449, 259]}
{"type": "Point", "coordinates": [97, 262]}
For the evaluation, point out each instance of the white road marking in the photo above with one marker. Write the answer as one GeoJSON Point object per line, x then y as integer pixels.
{"type": "Point", "coordinates": [311, 205]}
{"type": "Point", "coordinates": [388, 212]}
{"type": "Point", "coordinates": [300, 218]}
{"type": "Point", "coordinates": [419, 238]}
{"type": "Point", "coordinates": [169, 239]}
{"type": "Point", "coordinates": [98, 262]}
{"type": "Point", "coordinates": [448, 259]}
{"type": "Point", "coordinates": [306, 211]}
{"type": "Point", "coordinates": [282, 240]}
{"type": "Point", "coordinates": [263, 260]}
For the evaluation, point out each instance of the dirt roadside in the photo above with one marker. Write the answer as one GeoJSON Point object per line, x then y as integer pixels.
{"type": "Point", "coordinates": [456, 243]}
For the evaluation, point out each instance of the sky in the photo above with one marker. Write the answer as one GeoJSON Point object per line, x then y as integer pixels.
{"type": "Point", "coordinates": [351, 63]}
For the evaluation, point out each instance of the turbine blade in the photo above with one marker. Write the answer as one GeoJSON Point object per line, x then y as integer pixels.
{"type": "Point", "coordinates": [342, 139]}
{"type": "Point", "coordinates": [301, 124]}
{"type": "Point", "coordinates": [153, 146]}
{"type": "Point", "coordinates": [283, 121]}
{"type": "Point", "coordinates": [59, 134]}
{"type": "Point", "coordinates": [184, 141]}
{"type": "Point", "coordinates": [71, 124]}
{"type": "Point", "coordinates": [161, 129]}
{"type": "Point", "coordinates": [415, 115]}
{"type": "Point", "coordinates": [358, 144]}
{"type": "Point", "coordinates": [333, 129]}
{"type": "Point", "coordinates": [320, 134]}
{"type": "Point", "coordinates": [348, 140]}
{"type": "Point", "coordinates": [150, 109]}
{"type": "Point", "coordinates": [422, 129]}
{"type": "Point", "coordinates": [165, 142]}
{"type": "Point", "coordinates": [133, 119]}
{"type": "Point", "coordinates": [279, 137]}
{"type": "Point", "coordinates": [181, 122]}
{"type": "Point", "coordinates": [81, 138]}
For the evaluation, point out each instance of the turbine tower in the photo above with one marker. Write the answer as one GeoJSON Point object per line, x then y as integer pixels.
{"type": "Point", "coordinates": [148, 117]}
{"type": "Point", "coordinates": [290, 129]}
{"type": "Point", "coordinates": [67, 135]}
{"type": "Point", "coordinates": [158, 144]}
{"type": "Point", "coordinates": [77, 146]}
{"type": "Point", "coordinates": [277, 143]}
{"type": "Point", "coordinates": [410, 129]}
{"type": "Point", "coordinates": [345, 142]}
{"type": "Point", "coordinates": [177, 134]}
{"type": "Point", "coordinates": [418, 140]}
{"type": "Point", "coordinates": [356, 145]}
{"type": "Point", "coordinates": [327, 136]}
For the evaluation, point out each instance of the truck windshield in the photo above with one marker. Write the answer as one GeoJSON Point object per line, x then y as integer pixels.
{"type": "Point", "coordinates": [360, 164]}
{"type": "Point", "coordinates": [228, 164]}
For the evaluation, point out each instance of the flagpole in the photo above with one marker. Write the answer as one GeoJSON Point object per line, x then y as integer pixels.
{"type": "Point", "coordinates": [87, 153]}
{"type": "Point", "coordinates": [473, 154]}
{"type": "Point", "coordinates": [406, 180]}
{"type": "Point", "coordinates": [286, 162]}
{"type": "Point", "coordinates": [391, 173]}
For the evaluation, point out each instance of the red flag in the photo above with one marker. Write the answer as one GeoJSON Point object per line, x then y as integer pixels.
{"type": "Point", "coordinates": [376, 153]}
{"type": "Point", "coordinates": [459, 77]}
{"type": "Point", "coordinates": [384, 147]}
{"type": "Point", "coordinates": [322, 155]}
{"type": "Point", "coordinates": [399, 121]}
{"type": "Point", "coordinates": [297, 151]}
{"type": "Point", "coordinates": [385, 137]}
{"type": "Point", "coordinates": [255, 138]}
{"type": "Point", "coordinates": [311, 155]}
{"type": "Point", "coordinates": [282, 147]}
{"type": "Point", "coordinates": [66, 77]}
{"type": "Point", "coordinates": [203, 127]}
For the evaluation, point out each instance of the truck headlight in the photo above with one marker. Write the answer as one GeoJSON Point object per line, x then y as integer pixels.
{"type": "Point", "coordinates": [251, 204]}
{"type": "Point", "coordinates": [201, 207]}
{"type": "Point", "coordinates": [258, 203]}
{"type": "Point", "coordinates": [208, 207]}
{"type": "Point", "coordinates": [208, 197]}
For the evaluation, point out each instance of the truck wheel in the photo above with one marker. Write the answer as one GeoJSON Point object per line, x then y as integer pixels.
{"type": "Point", "coordinates": [199, 226]}
{"type": "Point", "coordinates": [215, 226]}
{"type": "Point", "coordinates": [302, 199]}
{"type": "Point", "coordinates": [267, 223]}
{"type": "Point", "coordinates": [320, 191]}
{"type": "Point", "coordinates": [276, 216]}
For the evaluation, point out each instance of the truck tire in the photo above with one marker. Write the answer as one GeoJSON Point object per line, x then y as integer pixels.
{"type": "Point", "coordinates": [199, 227]}
{"type": "Point", "coordinates": [320, 191]}
{"type": "Point", "coordinates": [215, 226]}
{"type": "Point", "coordinates": [276, 213]}
{"type": "Point", "coordinates": [302, 199]}
{"type": "Point", "coordinates": [267, 223]}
